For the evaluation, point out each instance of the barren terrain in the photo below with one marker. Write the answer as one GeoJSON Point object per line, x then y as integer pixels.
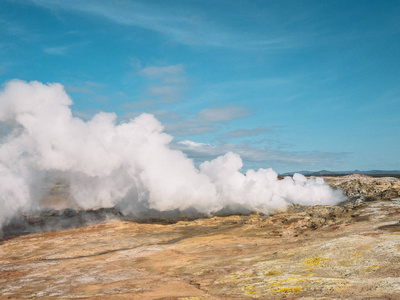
{"type": "Point", "coordinates": [320, 252]}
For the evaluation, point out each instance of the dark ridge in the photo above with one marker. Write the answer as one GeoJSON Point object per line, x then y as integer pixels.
{"type": "Point", "coordinates": [54, 220]}
{"type": "Point", "coordinates": [50, 220]}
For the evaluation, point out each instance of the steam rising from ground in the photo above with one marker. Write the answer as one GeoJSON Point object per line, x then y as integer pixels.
{"type": "Point", "coordinates": [129, 165]}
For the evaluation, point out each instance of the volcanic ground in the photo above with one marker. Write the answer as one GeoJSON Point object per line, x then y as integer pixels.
{"type": "Point", "coordinates": [349, 251]}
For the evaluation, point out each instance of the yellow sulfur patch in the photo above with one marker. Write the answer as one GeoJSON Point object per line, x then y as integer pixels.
{"type": "Point", "coordinates": [371, 268]}
{"type": "Point", "coordinates": [249, 289]}
{"type": "Point", "coordinates": [273, 273]}
{"type": "Point", "coordinates": [290, 289]}
{"type": "Point", "coordinates": [315, 261]}
{"type": "Point", "coordinates": [356, 254]}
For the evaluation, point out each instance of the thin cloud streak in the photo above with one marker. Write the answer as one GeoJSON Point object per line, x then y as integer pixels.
{"type": "Point", "coordinates": [179, 26]}
{"type": "Point", "coordinates": [221, 114]}
{"type": "Point", "coordinates": [241, 133]}
{"type": "Point", "coordinates": [11, 28]}
{"type": "Point", "coordinates": [60, 50]}
{"type": "Point", "coordinates": [168, 83]}
{"type": "Point", "coordinates": [207, 120]}
{"type": "Point", "coordinates": [169, 74]}
{"type": "Point", "coordinates": [260, 155]}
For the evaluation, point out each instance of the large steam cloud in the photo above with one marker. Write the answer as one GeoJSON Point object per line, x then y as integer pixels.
{"type": "Point", "coordinates": [128, 165]}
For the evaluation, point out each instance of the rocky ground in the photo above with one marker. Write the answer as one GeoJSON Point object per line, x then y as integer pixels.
{"type": "Point", "coordinates": [350, 251]}
{"type": "Point", "coordinates": [366, 188]}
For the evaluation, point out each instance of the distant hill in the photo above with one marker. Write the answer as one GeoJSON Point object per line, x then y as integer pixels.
{"type": "Point", "coordinates": [377, 173]}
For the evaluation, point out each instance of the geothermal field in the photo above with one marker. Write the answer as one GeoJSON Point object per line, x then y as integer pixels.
{"type": "Point", "coordinates": [105, 209]}
{"type": "Point", "coordinates": [346, 251]}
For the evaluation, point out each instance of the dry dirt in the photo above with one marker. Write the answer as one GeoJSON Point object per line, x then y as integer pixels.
{"type": "Point", "coordinates": [350, 251]}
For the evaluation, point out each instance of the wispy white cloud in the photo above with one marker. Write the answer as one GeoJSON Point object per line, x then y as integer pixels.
{"type": "Point", "coordinates": [94, 84]}
{"type": "Point", "coordinates": [189, 27]}
{"type": "Point", "coordinates": [207, 120]}
{"type": "Point", "coordinates": [166, 93]}
{"type": "Point", "coordinates": [167, 83]}
{"type": "Point", "coordinates": [190, 128]}
{"type": "Point", "coordinates": [240, 133]}
{"type": "Point", "coordinates": [19, 32]}
{"type": "Point", "coordinates": [221, 114]}
{"type": "Point", "coordinates": [11, 28]}
{"type": "Point", "coordinates": [165, 115]}
{"type": "Point", "coordinates": [58, 50]}
{"type": "Point", "coordinates": [88, 87]}
{"type": "Point", "coordinates": [79, 89]}
{"type": "Point", "coordinates": [261, 156]}
{"type": "Point", "coordinates": [191, 144]}
{"type": "Point", "coordinates": [168, 74]}
{"type": "Point", "coordinates": [65, 49]}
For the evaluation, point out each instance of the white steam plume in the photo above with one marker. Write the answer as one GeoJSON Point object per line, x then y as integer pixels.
{"type": "Point", "coordinates": [127, 165]}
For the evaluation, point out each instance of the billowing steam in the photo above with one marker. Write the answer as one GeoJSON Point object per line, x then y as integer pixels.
{"type": "Point", "coordinates": [129, 165]}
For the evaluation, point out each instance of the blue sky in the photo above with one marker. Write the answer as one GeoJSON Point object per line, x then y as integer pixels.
{"type": "Point", "coordinates": [292, 85]}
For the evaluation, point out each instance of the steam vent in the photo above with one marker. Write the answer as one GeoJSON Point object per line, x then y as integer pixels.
{"type": "Point", "coordinates": [350, 250]}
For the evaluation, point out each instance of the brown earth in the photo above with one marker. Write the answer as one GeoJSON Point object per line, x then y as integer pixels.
{"type": "Point", "coordinates": [351, 251]}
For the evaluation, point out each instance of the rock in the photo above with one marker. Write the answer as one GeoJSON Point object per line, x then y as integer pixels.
{"type": "Point", "coordinates": [366, 188]}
